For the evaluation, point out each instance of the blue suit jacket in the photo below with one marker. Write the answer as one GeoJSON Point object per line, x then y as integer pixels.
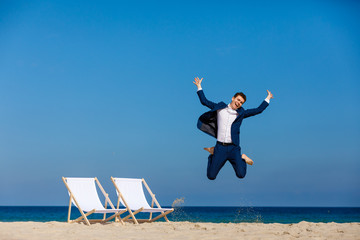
{"type": "Point", "coordinates": [208, 121]}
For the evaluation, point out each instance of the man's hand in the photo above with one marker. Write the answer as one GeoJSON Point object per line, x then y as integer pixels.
{"type": "Point", "coordinates": [197, 82]}
{"type": "Point", "coordinates": [269, 96]}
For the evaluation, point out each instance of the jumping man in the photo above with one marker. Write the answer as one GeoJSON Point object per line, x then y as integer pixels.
{"type": "Point", "coordinates": [223, 122]}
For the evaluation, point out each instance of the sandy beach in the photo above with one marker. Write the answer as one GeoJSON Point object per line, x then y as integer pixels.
{"type": "Point", "coordinates": [178, 230]}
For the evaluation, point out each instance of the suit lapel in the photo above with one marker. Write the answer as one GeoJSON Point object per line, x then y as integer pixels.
{"type": "Point", "coordinates": [240, 111]}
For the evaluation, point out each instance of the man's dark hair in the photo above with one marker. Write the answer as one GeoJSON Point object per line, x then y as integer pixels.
{"type": "Point", "coordinates": [240, 94]}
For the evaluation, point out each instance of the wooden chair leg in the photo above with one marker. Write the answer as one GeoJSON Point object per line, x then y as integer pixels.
{"type": "Point", "coordinates": [85, 217]}
{"type": "Point", "coordinates": [69, 212]}
{"type": "Point", "coordinates": [115, 215]}
{"type": "Point", "coordinates": [162, 215]}
{"type": "Point", "coordinates": [132, 215]}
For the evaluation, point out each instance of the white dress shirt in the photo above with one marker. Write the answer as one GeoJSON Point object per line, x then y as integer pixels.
{"type": "Point", "coordinates": [225, 118]}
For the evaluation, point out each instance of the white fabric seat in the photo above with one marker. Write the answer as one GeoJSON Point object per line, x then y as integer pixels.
{"type": "Point", "coordinates": [131, 195]}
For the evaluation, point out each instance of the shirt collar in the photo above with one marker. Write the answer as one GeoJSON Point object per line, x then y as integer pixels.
{"type": "Point", "coordinates": [230, 109]}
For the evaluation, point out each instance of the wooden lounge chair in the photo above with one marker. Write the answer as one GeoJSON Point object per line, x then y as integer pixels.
{"type": "Point", "coordinates": [84, 196]}
{"type": "Point", "coordinates": [131, 195]}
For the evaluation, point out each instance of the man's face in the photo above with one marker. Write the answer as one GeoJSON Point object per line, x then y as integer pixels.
{"type": "Point", "coordinates": [237, 102]}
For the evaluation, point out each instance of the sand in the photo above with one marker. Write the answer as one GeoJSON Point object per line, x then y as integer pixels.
{"type": "Point", "coordinates": [177, 230]}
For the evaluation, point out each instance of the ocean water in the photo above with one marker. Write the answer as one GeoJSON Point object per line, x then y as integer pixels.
{"type": "Point", "coordinates": [202, 214]}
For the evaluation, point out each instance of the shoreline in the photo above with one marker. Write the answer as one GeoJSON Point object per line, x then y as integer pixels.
{"type": "Point", "coordinates": [178, 230]}
{"type": "Point", "coordinates": [202, 214]}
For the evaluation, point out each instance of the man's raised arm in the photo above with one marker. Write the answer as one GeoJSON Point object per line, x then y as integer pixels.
{"type": "Point", "coordinates": [201, 94]}
{"type": "Point", "coordinates": [261, 108]}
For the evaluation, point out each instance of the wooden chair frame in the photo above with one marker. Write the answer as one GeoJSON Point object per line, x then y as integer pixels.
{"type": "Point", "coordinates": [83, 217]}
{"type": "Point", "coordinates": [132, 213]}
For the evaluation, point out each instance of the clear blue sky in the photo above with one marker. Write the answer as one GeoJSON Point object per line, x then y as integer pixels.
{"type": "Point", "coordinates": [105, 89]}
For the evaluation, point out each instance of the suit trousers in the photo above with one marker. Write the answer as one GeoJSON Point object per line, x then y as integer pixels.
{"type": "Point", "coordinates": [231, 153]}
